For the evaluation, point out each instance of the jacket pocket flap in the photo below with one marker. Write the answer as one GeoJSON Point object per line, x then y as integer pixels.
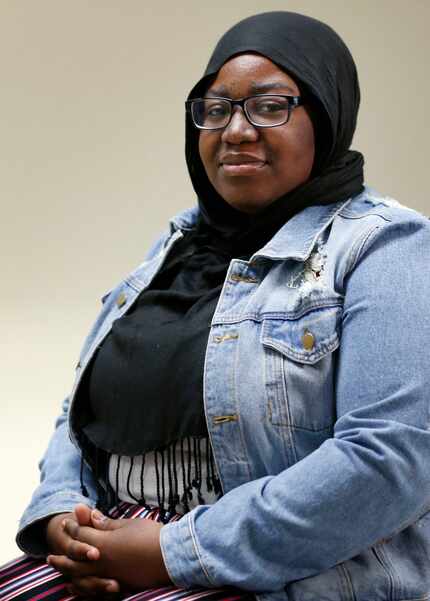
{"type": "Point", "coordinates": [305, 339]}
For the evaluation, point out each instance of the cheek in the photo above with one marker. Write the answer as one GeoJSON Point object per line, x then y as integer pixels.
{"type": "Point", "coordinates": [298, 149]}
{"type": "Point", "coordinates": [206, 151]}
{"type": "Point", "coordinates": [306, 139]}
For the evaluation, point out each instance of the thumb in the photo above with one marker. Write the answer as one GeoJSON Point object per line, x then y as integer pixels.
{"type": "Point", "coordinates": [83, 514]}
{"type": "Point", "coordinates": [101, 522]}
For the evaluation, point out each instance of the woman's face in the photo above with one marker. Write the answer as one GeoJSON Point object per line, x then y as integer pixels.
{"type": "Point", "coordinates": [250, 167]}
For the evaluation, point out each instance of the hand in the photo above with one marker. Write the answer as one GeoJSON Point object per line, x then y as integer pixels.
{"type": "Point", "coordinates": [62, 544]}
{"type": "Point", "coordinates": [129, 552]}
{"type": "Point", "coordinates": [56, 538]}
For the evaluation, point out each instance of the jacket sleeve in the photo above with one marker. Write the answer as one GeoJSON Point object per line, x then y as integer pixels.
{"type": "Point", "coordinates": [59, 489]}
{"type": "Point", "coordinates": [332, 505]}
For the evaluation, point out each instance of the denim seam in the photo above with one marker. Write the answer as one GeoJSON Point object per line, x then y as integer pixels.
{"type": "Point", "coordinates": [43, 510]}
{"type": "Point", "coordinates": [267, 389]}
{"type": "Point", "coordinates": [275, 400]}
{"type": "Point", "coordinates": [290, 353]}
{"type": "Point", "coordinates": [166, 565]}
{"type": "Point", "coordinates": [292, 426]}
{"type": "Point", "coordinates": [347, 214]}
{"type": "Point", "coordinates": [394, 576]}
{"type": "Point", "coordinates": [346, 581]}
{"type": "Point", "coordinates": [380, 556]}
{"type": "Point", "coordinates": [270, 377]}
{"type": "Point", "coordinates": [236, 404]}
{"type": "Point", "coordinates": [288, 412]}
{"type": "Point", "coordinates": [62, 494]}
{"type": "Point", "coordinates": [358, 247]}
{"type": "Point", "coordinates": [208, 360]}
{"type": "Point", "coordinates": [275, 253]}
{"type": "Point", "coordinates": [197, 552]}
{"type": "Point", "coordinates": [232, 318]}
{"type": "Point", "coordinates": [136, 284]}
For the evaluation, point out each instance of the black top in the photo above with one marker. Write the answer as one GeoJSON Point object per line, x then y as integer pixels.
{"type": "Point", "coordinates": [150, 366]}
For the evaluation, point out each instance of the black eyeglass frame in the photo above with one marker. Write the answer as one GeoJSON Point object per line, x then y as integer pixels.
{"type": "Point", "coordinates": [293, 102]}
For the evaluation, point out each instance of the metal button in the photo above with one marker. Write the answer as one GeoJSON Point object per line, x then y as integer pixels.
{"type": "Point", "coordinates": [121, 300]}
{"type": "Point", "coordinates": [223, 337]}
{"type": "Point", "coordinates": [223, 419]}
{"type": "Point", "coordinates": [308, 340]}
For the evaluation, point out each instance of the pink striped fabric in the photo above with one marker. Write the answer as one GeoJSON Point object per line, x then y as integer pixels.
{"type": "Point", "coordinates": [28, 579]}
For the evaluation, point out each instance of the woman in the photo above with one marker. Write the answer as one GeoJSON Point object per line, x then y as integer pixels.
{"type": "Point", "coordinates": [262, 374]}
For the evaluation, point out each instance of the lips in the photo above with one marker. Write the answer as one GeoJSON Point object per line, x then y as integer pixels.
{"type": "Point", "coordinates": [241, 164]}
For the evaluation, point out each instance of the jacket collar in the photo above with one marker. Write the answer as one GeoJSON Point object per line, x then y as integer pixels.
{"type": "Point", "coordinates": [295, 240]}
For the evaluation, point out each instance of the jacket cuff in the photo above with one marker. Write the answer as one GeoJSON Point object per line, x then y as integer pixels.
{"type": "Point", "coordinates": [181, 555]}
{"type": "Point", "coordinates": [31, 536]}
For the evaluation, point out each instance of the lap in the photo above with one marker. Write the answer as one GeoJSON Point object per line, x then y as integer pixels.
{"type": "Point", "coordinates": [30, 579]}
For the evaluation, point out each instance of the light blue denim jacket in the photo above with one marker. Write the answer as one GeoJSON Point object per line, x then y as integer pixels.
{"type": "Point", "coordinates": [316, 393]}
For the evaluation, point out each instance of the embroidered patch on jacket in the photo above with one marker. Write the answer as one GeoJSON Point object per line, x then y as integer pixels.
{"type": "Point", "coordinates": [310, 272]}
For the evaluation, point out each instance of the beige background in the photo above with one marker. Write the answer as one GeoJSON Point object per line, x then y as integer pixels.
{"type": "Point", "coordinates": [92, 166]}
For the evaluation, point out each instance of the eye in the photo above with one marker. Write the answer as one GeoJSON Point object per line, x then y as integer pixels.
{"type": "Point", "coordinates": [216, 109]}
{"type": "Point", "coordinates": [270, 106]}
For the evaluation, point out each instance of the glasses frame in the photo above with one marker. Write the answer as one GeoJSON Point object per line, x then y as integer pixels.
{"type": "Point", "coordinates": [293, 102]}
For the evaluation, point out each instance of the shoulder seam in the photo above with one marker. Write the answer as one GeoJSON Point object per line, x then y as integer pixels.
{"type": "Point", "coordinates": [358, 247]}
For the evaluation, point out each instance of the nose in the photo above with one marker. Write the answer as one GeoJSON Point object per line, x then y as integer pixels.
{"type": "Point", "coordinates": [239, 129]}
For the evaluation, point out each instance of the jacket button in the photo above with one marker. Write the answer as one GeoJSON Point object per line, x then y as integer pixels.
{"type": "Point", "coordinates": [308, 340]}
{"type": "Point", "coordinates": [222, 419]}
{"type": "Point", "coordinates": [121, 300]}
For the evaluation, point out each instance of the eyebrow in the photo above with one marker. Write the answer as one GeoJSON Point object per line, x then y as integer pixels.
{"type": "Point", "coordinates": [255, 88]}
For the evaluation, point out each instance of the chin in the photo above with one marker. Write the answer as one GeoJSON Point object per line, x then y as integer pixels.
{"type": "Point", "coordinates": [247, 205]}
{"type": "Point", "coordinates": [247, 201]}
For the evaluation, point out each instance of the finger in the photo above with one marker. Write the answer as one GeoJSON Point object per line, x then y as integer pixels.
{"type": "Point", "coordinates": [81, 551]}
{"type": "Point", "coordinates": [71, 528]}
{"type": "Point", "coordinates": [71, 568]}
{"type": "Point", "coordinates": [101, 522]}
{"type": "Point", "coordinates": [92, 585]}
{"type": "Point", "coordinates": [83, 534]}
{"type": "Point", "coordinates": [64, 522]}
{"type": "Point", "coordinates": [83, 514]}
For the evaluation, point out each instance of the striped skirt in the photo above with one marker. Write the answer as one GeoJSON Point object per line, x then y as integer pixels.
{"type": "Point", "coordinates": [29, 579]}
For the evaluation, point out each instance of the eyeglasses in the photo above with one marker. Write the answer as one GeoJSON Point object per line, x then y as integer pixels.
{"type": "Point", "coordinates": [263, 110]}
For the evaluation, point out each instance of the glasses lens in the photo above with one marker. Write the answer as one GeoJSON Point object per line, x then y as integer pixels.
{"type": "Point", "coordinates": [211, 113]}
{"type": "Point", "coordinates": [268, 110]}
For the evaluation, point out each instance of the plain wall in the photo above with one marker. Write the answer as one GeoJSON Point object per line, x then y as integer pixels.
{"type": "Point", "coordinates": [92, 166]}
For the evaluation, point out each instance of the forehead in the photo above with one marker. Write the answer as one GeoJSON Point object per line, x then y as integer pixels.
{"type": "Point", "coordinates": [251, 73]}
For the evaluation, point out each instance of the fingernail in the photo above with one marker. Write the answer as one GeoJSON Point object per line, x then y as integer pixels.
{"type": "Point", "coordinates": [112, 587]}
{"type": "Point", "coordinates": [98, 516]}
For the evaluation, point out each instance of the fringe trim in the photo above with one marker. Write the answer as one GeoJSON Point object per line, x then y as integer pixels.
{"type": "Point", "coordinates": [166, 470]}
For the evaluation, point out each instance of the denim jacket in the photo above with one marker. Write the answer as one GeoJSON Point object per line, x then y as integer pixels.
{"type": "Point", "coordinates": [316, 394]}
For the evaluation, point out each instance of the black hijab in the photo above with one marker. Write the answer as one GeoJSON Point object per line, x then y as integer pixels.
{"type": "Point", "coordinates": [318, 60]}
{"type": "Point", "coordinates": [146, 382]}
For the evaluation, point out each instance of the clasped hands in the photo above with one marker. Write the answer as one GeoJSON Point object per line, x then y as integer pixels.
{"type": "Point", "coordinates": [100, 555]}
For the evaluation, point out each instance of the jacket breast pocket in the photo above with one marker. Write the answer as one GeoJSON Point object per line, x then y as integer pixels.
{"type": "Point", "coordinates": [299, 373]}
